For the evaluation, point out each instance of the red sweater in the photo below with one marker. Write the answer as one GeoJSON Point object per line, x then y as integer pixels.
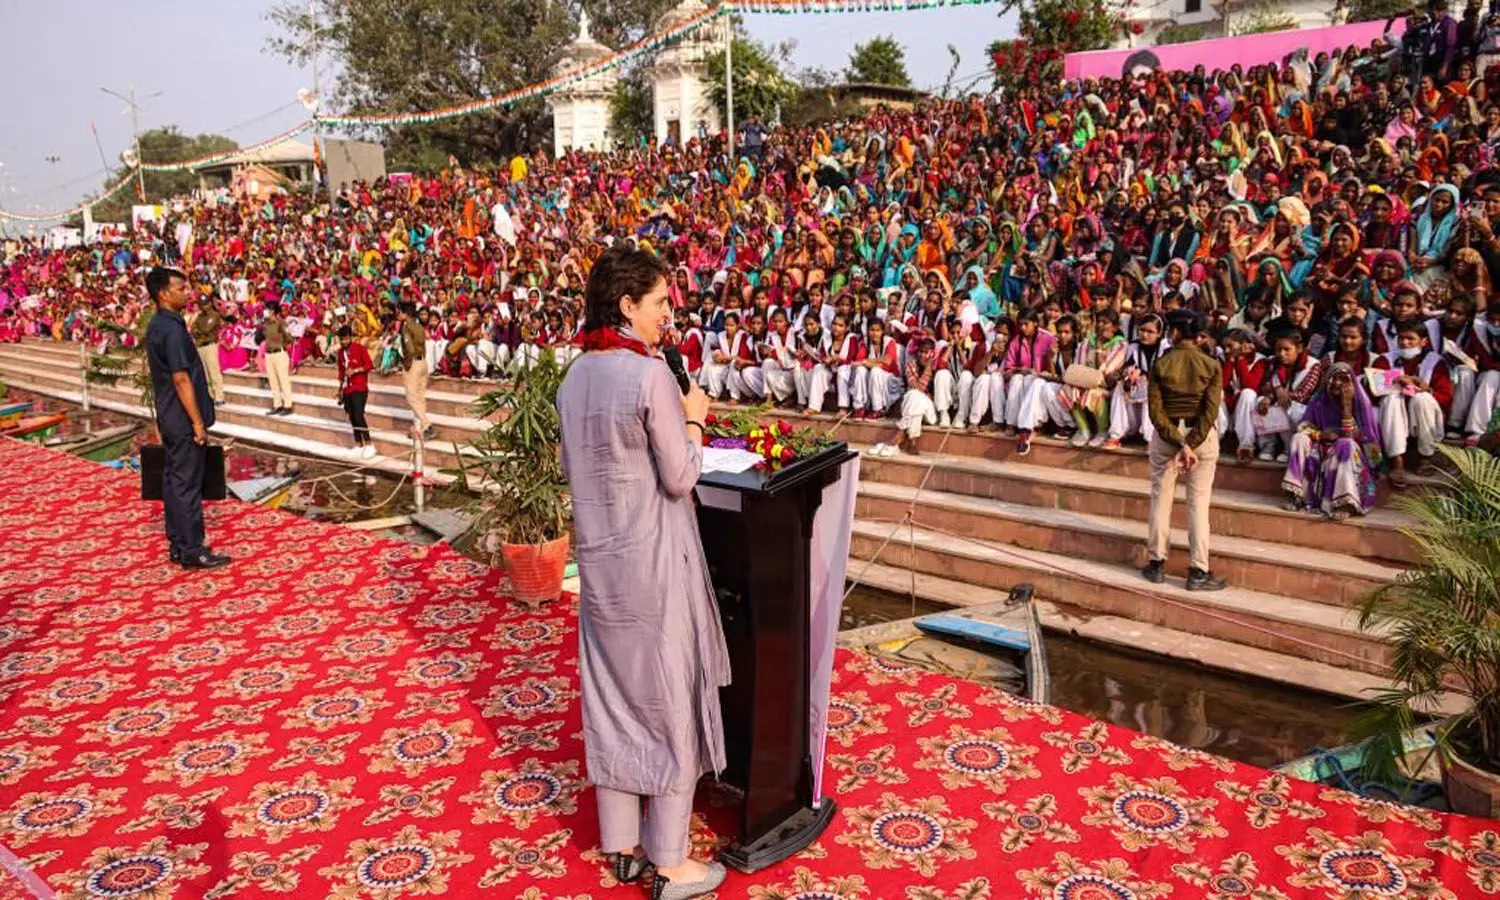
{"type": "Point", "coordinates": [354, 368]}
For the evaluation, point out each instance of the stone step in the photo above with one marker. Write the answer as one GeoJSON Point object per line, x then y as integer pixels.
{"type": "Point", "coordinates": [386, 391]}
{"type": "Point", "coordinates": [234, 428]}
{"type": "Point", "coordinates": [307, 381]}
{"type": "Point", "coordinates": [311, 396]}
{"type": "Point", "coordinates": [384, 417]}
{"type": "Point", "coordinates": [1244, 514]}
{"type": "Point", "coordinates": [442, 454]}
{"type": "Point", "coordinates": [1287, 625]}
{"type": "Point", "coordinates": [1291, 571]}
{"type": "Point", "coordinates": [1133, 635]}
{"type": "Point", "coordinates": [304, 434]}
{"type": "Point", "coordinates": [1129, 461]}
{"type": "Point", "coordinates": [12, 372]}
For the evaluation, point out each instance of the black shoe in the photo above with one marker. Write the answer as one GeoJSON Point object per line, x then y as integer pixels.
{"type": "Point", "coordinates": [274, 411]}
{"type": "Point", "coordinates": [1199, 580]}
{"type": "Point", "coordinates": [174, 556]}
{"type": "Point", "coordinates": [1155, 571]}
{"type": "Point", "coordinates": [628, 867]}
{"type": "Point", "coordinates": [204, 559]}
{"type": "Point", "coordinates": [429, 433]}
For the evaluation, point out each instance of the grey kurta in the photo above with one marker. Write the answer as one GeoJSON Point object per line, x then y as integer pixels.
{"type": "Point", "coordinates": [651, 647]}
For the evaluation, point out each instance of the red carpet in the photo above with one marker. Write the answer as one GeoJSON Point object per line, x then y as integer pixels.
{"type": "Point", "coordinates": [335, 715]}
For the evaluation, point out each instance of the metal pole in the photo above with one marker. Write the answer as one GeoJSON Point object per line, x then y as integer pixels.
{"type": "Point", "coordinates": [312, 11]}
{"type": "Point", "coordinates": [135, 129]}
{"type": "Point", "coordinates": [416, 476]}
{"type": "Point", "coordinates": [729, 83]}
{"type": "Point", "coordinates": [83, 362]}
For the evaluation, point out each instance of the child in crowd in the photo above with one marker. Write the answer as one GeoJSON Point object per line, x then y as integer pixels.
{"type": "Point", "coordinates": [1416, 401]}
{"type": "Point", "coordinates": [838, 358]}
{"type": "Point", "coordinates": [779, 360]}
{"type": "Point", "coordinates": [1292, 378]}
{"type": "Point", "coordinates": [811, 343]}
{"type": "Point", "coordinates": [877, 376]}
{"type": "Point", "coordinates": [1029, 353]}
{"type": "Point", "coordinates": [1243, 368]}
{"type": "Point", "coordinates": [1127, 402]}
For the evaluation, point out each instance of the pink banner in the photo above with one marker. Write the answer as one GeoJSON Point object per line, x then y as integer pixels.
{"type": "Point", "coordinates": [1221, 53]}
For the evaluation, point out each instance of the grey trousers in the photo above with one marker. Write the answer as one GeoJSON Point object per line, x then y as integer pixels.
{"type": "Point", "coordinates": [665, 834]}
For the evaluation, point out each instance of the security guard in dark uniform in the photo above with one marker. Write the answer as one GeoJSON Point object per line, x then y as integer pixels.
{"type": "Point", "coordinates": [184, 413]}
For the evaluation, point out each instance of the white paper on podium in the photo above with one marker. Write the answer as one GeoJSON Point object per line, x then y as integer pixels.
{"type": "Point", "coordinates": [729, 459]}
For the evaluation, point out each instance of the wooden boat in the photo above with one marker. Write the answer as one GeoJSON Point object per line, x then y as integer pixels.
{"type": "Point", "coordinates": [1340, 767]}
{"type": "Point", "coordinates": [36, 429]}
{"type": "Point", "coordinates": [999, 643]}
{"type": "Point", "coordinates": [270, 491]}
{"type": "Point", "coordinates": [11, 413]}
{"type": "Point", "coordinates": [98, 446]}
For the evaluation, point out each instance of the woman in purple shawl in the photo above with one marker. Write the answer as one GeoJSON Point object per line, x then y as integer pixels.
{"type": "Point", "coordinates": [1334, 455]}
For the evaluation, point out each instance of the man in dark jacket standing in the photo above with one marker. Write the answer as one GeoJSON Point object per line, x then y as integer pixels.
{"type": "Point", "coordinates": [1183, 397]}
{"type": "Point", "coordinates": [184, 413]}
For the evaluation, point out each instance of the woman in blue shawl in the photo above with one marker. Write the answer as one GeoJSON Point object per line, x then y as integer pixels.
{"type": "Point", "coordinates": [979, 292]}
{"type": "Point", "coordinates": [1435, 228]}
{"type": "Point", "coordinates": [903, 252]}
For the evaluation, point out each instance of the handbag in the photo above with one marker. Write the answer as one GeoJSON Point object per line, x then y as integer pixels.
{"type": "Point", "coordinates": [1085, 378]}
{"type": "Point", "coordinates": [154, 460]}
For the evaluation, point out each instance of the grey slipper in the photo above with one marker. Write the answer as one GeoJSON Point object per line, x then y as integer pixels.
{"type": "Point", "coordinates": [662, 889]}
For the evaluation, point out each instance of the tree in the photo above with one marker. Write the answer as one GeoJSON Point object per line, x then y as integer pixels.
{"type": "Point", "coordinates": [397, 56]}
{"type": "Point", "coordinates": [160, 145]}
{"type": "Point", "coordinates": [1181, 34]}
{"type": "Point", "coordinates": [759, 86]}
{"type": "Point", "coordinates": [1049, 30]}
{"type": "Point", "coordinates": [879, 60]}
{"type": "Point", "coordinates": [1264, 18]}
{"type": "Point", "coordinates": [1372, 10]}
{"type": "Point", "coordinates": [630, 113]}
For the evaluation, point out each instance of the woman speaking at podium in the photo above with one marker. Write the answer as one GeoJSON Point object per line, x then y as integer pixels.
{"type": "Point", "coordinates": [651, 655]}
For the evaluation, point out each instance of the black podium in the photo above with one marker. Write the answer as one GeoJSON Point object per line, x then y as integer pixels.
{"type": "Point", "coordinates": [757, 529]}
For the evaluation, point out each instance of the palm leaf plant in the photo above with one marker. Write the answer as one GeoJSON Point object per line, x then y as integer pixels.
{"type": "Point", "coordinates": [127, 366]}
{"type": "Point", "coordinates": [1442, 617]}
{"type": "Point", "coordinates": [516, 465]}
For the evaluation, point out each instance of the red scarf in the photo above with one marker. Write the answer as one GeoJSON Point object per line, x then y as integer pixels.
{"type": "Point", "coordinates": [612, 339]}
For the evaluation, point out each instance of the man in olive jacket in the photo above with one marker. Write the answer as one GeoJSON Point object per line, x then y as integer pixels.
{"type": "Point", "coordinates": [414, 364]}
{"type": "Point", "coordinates": [1183, 397]}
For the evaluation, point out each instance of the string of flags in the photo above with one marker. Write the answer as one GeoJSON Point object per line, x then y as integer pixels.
{"type": "Point", "coordinates": [648, 45]}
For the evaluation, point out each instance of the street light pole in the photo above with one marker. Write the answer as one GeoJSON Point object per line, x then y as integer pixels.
{"type": "Point", "coordinates": [135, 130]}
{"type": "Point", "coordinates": [729, 83]}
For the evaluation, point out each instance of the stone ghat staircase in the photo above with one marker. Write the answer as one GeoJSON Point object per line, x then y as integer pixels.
{"type": "Point", "coordinates": [317, 426]}
{"type": "Point", "coordinates": [971, 518]}
{"type": "Point", "coordinates": [981, 519]}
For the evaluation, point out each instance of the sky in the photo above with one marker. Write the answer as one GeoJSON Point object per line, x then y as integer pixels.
{"type": "Point", "coordinates": [208, 62]}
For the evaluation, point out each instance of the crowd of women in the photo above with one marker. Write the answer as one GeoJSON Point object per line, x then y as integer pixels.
{"type": "Point", "coordinates": [983, 262]}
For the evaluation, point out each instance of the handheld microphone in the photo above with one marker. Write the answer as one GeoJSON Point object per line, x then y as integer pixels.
{"type": "Point", "coordinates": [673, 356]}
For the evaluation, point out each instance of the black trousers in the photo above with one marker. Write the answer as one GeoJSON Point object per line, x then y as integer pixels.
{"type": "Point", "coordinates": [354, 407]}
{"type": "Point", "coordinates": [182, 492]}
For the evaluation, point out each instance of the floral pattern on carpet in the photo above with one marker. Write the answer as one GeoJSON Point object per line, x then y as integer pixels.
{"type": "Point", "coordinates": [339, 715]}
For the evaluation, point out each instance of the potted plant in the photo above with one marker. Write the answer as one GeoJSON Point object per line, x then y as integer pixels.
{"type": "Point", "coordinates": [1443, 617]}
{"type": "Point", "coordinates": [523, 511]}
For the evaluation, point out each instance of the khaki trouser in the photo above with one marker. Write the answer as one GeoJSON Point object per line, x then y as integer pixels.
{"type": "Point", "coordinates": [209, 353]}
{"type": "Point", "coordinates": [414, 380]}
{"type": "Point", "coordinates": [1200, 483]}
{"type": "Point", "coordinates": [279, 373]}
